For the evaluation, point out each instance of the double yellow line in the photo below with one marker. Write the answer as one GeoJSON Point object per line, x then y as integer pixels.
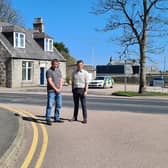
{"type": "Point", "coordinates": [34, 144]}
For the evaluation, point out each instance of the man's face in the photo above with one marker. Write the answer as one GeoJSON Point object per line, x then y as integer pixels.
{"type": "Point", "coordinates": [55, 64]}
{"type": "Point", "coordinates": [80, 66]}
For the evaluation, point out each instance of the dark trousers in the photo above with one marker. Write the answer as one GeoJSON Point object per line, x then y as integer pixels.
{"type": "Point", "coordinates": [78, 93]}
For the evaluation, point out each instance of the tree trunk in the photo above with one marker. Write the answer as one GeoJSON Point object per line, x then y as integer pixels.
{"type": "Point", "coordinates": [142, 82]}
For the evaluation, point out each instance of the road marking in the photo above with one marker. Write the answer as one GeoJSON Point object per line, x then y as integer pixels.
{"type": "Point", "coordinates": [33, 147]}
{"type": "Point", "coordinates": [44, 144]}
{"type": "Point", "coordinates": [34, 141]}
{"type": "Point", "coordinates": [44, 147]}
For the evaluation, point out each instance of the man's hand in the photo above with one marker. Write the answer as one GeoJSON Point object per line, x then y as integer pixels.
{"type": "Point", "coordinates": [85, 93]}
{"type": "Point", "coordinates": [86, 89]}
{"type": "Point", "coordinates": [58, 90]}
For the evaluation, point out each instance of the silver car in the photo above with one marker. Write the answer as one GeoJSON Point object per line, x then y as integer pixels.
{"type": "Point", "coordinates": [159, 81]}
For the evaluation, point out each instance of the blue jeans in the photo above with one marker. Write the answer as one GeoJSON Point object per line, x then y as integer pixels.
{"type": "Point", "coordinates": [53, 97]}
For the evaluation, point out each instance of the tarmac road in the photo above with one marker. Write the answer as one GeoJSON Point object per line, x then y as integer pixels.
{"type": "Point", "coordinates": [98, 103]}
{"type": "Point", "coordinates": [8, 129]}
{"type": "Point", "coordinates": [121, 132]}
{"type": "Point", "coordinates": [110, 139]}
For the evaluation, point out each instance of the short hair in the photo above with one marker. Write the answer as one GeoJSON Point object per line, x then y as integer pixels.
{"type": "Point", "coordinates": [54, 60]}
{"type": "Point", "coordinates": [79, 61]}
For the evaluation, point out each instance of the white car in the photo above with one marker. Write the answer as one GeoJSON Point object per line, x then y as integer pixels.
{"type": "Point", "coordinates": [102, 82]}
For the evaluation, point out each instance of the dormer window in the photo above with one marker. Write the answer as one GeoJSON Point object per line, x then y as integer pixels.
{"type": "Point", "coordinates": [48, 44]}
{"type": "Point", "coordinates": [19, 40]}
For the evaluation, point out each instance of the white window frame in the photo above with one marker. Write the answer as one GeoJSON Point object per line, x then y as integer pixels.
{"type": "Point", "coordinates": [27, 68]}
{"type": "Point", "coordinates": [17, 36]}
{"type": "Point", "coordinates": [48, 44]}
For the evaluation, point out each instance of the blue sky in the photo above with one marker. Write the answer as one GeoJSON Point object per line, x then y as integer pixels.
{"type": "Point", "coordinates": [70, 22]}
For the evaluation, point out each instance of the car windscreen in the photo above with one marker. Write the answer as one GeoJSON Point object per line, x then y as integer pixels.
{"type": "Point", "coordinates": [157, 79]}
{"type": "Point", "coordinates": [99, 78]}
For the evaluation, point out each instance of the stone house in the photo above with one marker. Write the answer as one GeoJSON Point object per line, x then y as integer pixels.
{"type": "Point", "coordinates": [25, 55]}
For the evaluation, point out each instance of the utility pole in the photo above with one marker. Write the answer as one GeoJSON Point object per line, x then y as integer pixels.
{"type": "Point", "coordinates": [92, 57]}
{"type": "Point", "coordinates": [92, 62]}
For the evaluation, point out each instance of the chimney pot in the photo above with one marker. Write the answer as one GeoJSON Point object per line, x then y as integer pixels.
{"type": "Point", "coordinates": [38, 25]}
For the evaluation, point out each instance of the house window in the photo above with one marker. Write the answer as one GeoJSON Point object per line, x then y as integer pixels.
{"type": "Point", "coordinates": [19, 40]}
{"type": "Point", "coordinates": [48, 45]}
{"type": "Point", "coordinates": [26, 70]}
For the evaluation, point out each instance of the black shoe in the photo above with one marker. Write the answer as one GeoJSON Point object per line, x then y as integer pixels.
{"type": "Point", "coordinates": [73, 119]}
{"type": "Point", "coordinates": [58, 121]}
{"type": "Point", "coordinates": [84, 121]}
{"type": "Point", "coordinates": [49, 122]}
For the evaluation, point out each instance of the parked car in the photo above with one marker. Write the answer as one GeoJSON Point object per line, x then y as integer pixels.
{"type": "Point", "coordinates": [159, 81]}
{"type": "Point", "coordinates": [102, 82]}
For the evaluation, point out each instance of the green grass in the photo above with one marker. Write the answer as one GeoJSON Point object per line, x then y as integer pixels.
{"type": "Point", "coordinates": [131, 94]}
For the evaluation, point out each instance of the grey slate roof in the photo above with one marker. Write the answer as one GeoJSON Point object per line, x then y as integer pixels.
{"type": "Point", "coordinates": [41, 35]}
{"type": "Point", "coordinates": [32, 49]}
{"type": "Point", "coordinates": [12, 28]}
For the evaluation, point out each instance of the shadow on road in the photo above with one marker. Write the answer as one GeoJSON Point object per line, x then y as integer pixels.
{"type": "Point", "coordinates": [36, 120]}
{"type": "Point", "coordinates": [64, 119]}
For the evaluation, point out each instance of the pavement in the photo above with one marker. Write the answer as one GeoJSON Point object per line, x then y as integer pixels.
{"type": "Point", "coordinates": [122, 136]}
{"type": "Point", "coordinates": [91, 91]}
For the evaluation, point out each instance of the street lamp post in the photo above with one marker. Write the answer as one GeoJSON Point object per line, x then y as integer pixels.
{"type": "Point", "coordinates": [164, 63]}
{"type": "Point", "coordinates": [125, 77]}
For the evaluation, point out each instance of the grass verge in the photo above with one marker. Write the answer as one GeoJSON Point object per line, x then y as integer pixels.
{"type": "Point", "coordinates": [131, 94]}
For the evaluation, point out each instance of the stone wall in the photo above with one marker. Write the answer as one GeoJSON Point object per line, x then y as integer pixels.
{"type": "Point", "coordinates": [2, 74]}
{"type": "Point", "coordinates": [4, 67]}
{"type": "Point", "coordinates": [63, 70]}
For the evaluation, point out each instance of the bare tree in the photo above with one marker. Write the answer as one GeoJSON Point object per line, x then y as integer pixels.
{"type": "Point", "coordinates": [136, 21]}
{"type": "Point", "coordinates": [8, 14]}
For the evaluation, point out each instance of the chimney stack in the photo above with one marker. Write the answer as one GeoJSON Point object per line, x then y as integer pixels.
{"type": "Point", "coordinates": [38, 25]}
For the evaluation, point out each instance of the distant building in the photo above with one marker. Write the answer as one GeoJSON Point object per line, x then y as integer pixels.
{"type": "Point", "coordinates": [130, 68]}
{"type": "Point", "coordinates": [120, 70]}
{"type": "Point", "coordinates": [152, 70]}
{"type": "Point", "coordinates": [117, 69]}
{"type": "Point", "coordinates": [91, 70]}
{"type": "Point", "coordinates": [25, 55]}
